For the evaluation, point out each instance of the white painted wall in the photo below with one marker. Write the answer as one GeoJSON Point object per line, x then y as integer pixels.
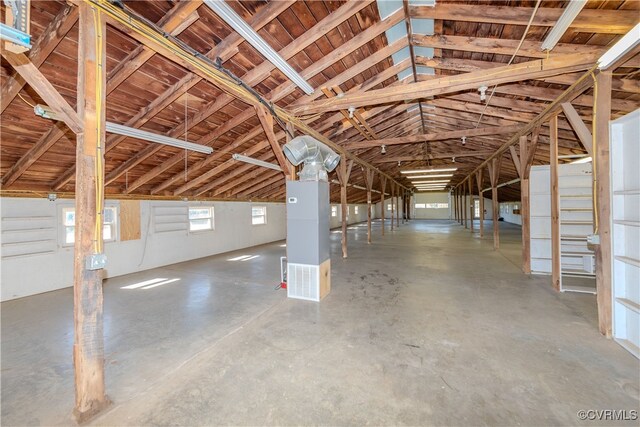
{"type": "Point", "coordinates": [506, 212]}
{"type": "Point", "coordinates": [431, 213]}
{"type": "Point", "coordinates": [44, 263]}
{"type": "Point", "coordinates": [387, 212]}
{"type": "Point", "coordinates": [488, 207]}
{"type": "Point", "coordinates": [336, 221]}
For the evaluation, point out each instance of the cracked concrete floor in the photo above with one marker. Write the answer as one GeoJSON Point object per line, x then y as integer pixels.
{"type": "Point", "coordinates": [426, 326]}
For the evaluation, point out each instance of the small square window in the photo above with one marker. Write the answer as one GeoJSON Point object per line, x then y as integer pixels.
{"type": "Point", "coordinates": [258, 215]}
{"type": "Point", "coordinates": [201, 218]}
{"type": "Point", "coordinates": [355, 210]}
{"type": "Point", "coordinates": [109, 224]}
{"type": "Point", "coordinates": [420, 206]}
{"type": "Point", "coordinates": [334, 211]}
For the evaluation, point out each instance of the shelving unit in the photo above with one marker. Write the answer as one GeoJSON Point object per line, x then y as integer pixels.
{"type": "Point", "coordinates": [625, 214]}
{"type": "Point", "coordinates": [576, 222]}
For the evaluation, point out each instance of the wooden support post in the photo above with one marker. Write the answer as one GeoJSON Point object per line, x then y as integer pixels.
{"type": "Point", "coordinates": [454, 201]}
{"type": "Point", "coordinates": [368, 181]}
{"type": "Point", "coordinates": [88, 347]}
{"type": "Point", "coordinates": [343, 176]}
{"type": "Point", "coordinates": [555, 204]}
{"type": "Point", "coordinates": [523, 172]}
{"type": "Point", "coordinates": [459, 211]}
{"type": "Point", "coordinates": [494, 174]}
{"type": "Point", "coordinates": [465, 210]}
{"type": "Point", "coordinates": [383, 185]}
{"type": "Point", "coordinates": [398, 207]}
{"type": "Point", "coordinates": [481, 201]}
{"type": "Point", "coordinates": [470, 182]}
{"type": "Point", "coordinates": [602, 165]}
{"type": "Point", "coordinates": [393, 196]}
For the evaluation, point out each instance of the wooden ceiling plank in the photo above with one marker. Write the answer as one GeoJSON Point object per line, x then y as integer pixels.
{"type": "Point", "coordinates": [174, 22]}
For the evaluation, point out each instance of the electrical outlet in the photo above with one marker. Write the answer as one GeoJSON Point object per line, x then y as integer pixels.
{"type": "Point", "coordinates": [593, 239]}
{"type": "Point", "coordinates": [96, 261]}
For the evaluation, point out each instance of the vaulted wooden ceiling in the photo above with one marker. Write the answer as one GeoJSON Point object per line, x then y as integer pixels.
{"type": "Point", "coordinates": [339, 47]}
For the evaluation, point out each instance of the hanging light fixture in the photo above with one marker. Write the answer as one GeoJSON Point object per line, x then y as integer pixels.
{"type": "Point", "coordinates": [228, 15]}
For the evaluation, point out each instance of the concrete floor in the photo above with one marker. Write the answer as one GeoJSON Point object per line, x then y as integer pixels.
{"type": "Point", "coordinates": [426, 326]}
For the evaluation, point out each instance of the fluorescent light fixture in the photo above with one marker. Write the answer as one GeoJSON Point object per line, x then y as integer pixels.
{"type": "Point", "coordinates": [15, 36]}
{"type": "Point", "coordinates": [570, 12]}
{"type": "Point", "coordinates": [256, 162]}
{"type": "Point", "coordinates": [429, 170]}
{"type": "Point", "coordinates": [430, 176]}
{"type": "Point", "coordinates": [622, 47]}
{"type": "Point", "coordinates": [45, 112]}
{"type": "Point", "coordinates": [437, 181]}
{"type": "Point", "coordinates": [582, 160]}
{"type": "Point", "coordinates": [153, 137]}
{"type": "Point", "coordinates": [224, 11]}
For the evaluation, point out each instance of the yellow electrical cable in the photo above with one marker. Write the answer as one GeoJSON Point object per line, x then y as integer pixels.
{"type": "Point", "coordinates": [25, 101]}
{"type": "Point", "coordinates": [97, 238]}
{"type": "Point", "coordinates": [594, 189]}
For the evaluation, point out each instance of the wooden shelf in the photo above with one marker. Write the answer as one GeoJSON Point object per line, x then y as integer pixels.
{"type": "Point", "coordinates": [626, 193]}
{"type": "Point", "coordinates": [570, 271]}
{"type": "Point", "coordinates": [631, 305]}
{"type": "Point", "coordinates": [574, 254]}
{"type": "Point", "coordinates": [627, 260]}
{"type": "Point", "coordinates": [571, 237]}
{"type": "Point", "coordinates": [576, 209]}
{"type": "Point", "coordinates": [625, 222]}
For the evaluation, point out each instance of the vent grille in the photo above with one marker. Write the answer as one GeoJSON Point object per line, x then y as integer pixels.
{"type": "Point", "coordinates": [303, 281]}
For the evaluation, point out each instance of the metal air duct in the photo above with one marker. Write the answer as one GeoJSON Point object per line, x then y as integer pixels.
{"type": "Point", "coordinates": [317, 157]}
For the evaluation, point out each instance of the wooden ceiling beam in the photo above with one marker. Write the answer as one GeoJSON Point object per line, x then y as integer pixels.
{"type": "Point", "coordinates": [42, 48]}
{"type": "Point", "coordinates": [588, 20]}
{"type": "Point", "coordinates": [417, 139]}
{"type": "Point", "coordinates": [449, 84]}
{"type": "Point", "coordinates": [468, 65]}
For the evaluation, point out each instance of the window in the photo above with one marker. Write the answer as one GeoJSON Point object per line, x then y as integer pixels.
{"type": "Point", "coordinates": [389, 206]}
{"type": "Point", "coordinates": [420, 206]}
{"type": "Point", "coordinates": [334, 211]}
{"type": "Point", "coordinates": [109, 225]}
{"type": "Point", "coordinates": [258, 215]}
{"type": "Point", "coordinates": [476, 208]}
{"type": "Point", "coordinates": [355, 210]}
{"type": "Point", "coordinates": [437, 205]}
{"type": "Point", "coordinates": [201, 218]}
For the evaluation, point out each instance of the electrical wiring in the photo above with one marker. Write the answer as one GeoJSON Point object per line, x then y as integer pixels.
{"type": "Point", "coordinates": [25, 101]}
{"type": "Point", "coordinates": [594, 189]}
{"type": "Point", "coordinates": [524, 35]}
{"type": "Point", "coordinates": [99, 161]}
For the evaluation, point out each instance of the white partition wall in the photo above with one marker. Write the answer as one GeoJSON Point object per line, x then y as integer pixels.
{"type": "Point", "coordinates": [576, 223]}
{"type": "Point", "coordinates": [625, 214]}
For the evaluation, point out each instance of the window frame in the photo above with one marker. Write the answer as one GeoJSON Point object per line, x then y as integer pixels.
{"type": "Point", "coordinates": [211, 218]}
{"type": "Point", "coordinates": [114, 225]}
{"type": "Point", "coordinates": [334, 211]}
{"type": "Point", "coordinates": [264, 215]}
